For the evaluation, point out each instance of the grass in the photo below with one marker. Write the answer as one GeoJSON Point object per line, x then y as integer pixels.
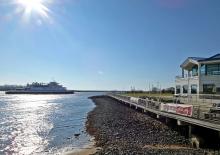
{"type": "Point", "coordinates": [157, 95]}
{"type": "Point", "coordinates": [166, 97]}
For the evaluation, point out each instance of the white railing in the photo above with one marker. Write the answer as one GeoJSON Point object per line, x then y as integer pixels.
{"type": "Point", "coordinates": [186, 77]}
{"type": "Point", "coordinates": [204, 99]}
{"type": "Point", "coordinates": [199, 111]}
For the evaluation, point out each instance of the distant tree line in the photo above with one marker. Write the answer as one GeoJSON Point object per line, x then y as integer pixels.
{"type": "Point", "coordinates": [170, 90]}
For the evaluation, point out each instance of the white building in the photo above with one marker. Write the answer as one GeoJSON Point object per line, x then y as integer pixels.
{"type": "Point", "coordinates": [199, 76]}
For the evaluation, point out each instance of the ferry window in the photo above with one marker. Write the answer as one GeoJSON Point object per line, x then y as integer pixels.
{"type": "Point", "coordinates": [208, 88]}
{"type": "Point", "coordinates": [178, 89]}
{"type": "Point", "coordinates": [185, 89]}
{"type": "Point", "coordinates": [194, 89]}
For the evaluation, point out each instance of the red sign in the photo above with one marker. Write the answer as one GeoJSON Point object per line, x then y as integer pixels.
{"type": "Point", "coordinates": [180, 109]}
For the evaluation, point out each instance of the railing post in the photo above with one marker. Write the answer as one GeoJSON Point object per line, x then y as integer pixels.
{"type": "Point", "coordinates": [197, 98]}
{"type": "Point", "coordinates": [198, 114]}
{"type": "Point", "coordinates": [189, 131]}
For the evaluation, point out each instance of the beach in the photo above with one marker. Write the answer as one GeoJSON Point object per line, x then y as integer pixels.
{"type": "Point", "coordinates": [121, 130]}
{"type": "Point", "coordinates": [84, 151]}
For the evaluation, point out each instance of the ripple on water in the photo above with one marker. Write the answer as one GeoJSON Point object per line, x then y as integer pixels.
{"type": "Point", "coordinates": [43, 124]}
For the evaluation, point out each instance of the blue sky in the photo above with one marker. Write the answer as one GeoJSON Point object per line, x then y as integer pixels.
{"type": "Point", "coordinates": [106, 44]}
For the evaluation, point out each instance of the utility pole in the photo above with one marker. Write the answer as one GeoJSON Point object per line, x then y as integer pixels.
{"type": "Point", "coordinates": [160, 92]}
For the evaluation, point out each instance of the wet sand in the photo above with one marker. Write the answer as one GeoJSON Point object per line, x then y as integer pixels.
{"type": "Point", "coordinates": [121, 130]}
{"type": "Point", "coordinates": [87, 151]}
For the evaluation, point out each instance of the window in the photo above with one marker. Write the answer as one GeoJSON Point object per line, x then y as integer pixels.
{"type": "Point", "coordinates": [203, 69]}
{"type": "Point", "coordinates": [194, 89]}
{"type": "Point", "coordinates": [216, 105]}
{"type": "Point", "coordinates": [185, 89]}
{"type": "Point", "coordinates": [218, 90]}
{"type": "Point", "coordinates": [178, 89]}
{"type": "Point", "coordinates": [213, 69]}
{"type": "Point", "coordinates": [195, 70]}
{"type": "Point", "coordinates": [208, 88]}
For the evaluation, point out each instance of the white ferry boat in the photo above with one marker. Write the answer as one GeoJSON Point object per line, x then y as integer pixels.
{"type": "Point", "coordinates": [41, 88]}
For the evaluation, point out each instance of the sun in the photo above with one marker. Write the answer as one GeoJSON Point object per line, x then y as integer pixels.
{"type": "Point", "coordinates": [30, 7]}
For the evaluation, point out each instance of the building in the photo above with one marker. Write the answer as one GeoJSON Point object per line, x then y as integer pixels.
{"type": "Point", "coordinates": [199, 76]}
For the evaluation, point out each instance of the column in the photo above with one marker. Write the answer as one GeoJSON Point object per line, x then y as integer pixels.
{"type": "Point", "coordinates": [198, 83]}
{"type": "Point", "coordinates": [188, 84]}
{"type": "Point", "coordinates": [182, 73]}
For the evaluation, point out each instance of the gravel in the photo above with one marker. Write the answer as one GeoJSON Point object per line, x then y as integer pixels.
{"type": "Point", "coordinates": [121, 130]}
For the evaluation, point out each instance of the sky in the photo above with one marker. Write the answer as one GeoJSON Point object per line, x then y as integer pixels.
{"type": "Point", "coordinates": [104, 44]}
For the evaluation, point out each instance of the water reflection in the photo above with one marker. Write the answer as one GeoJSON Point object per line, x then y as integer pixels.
{"type": "Point", "coordinates": [33, 124]}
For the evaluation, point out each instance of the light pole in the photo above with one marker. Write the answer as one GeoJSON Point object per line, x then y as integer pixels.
{"type": "Point", "coordinates": [160, 92]}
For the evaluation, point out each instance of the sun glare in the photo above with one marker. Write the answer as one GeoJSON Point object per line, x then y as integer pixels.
{"type": "Point", "coordinates": [30, 7]}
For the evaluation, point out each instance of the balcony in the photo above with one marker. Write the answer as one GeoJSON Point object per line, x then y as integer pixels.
{"type": "Point", "coordinates": [186, 77]}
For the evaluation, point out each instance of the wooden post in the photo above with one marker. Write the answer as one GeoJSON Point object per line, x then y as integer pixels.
{"type": "Point", "coordinates": [189, 131]}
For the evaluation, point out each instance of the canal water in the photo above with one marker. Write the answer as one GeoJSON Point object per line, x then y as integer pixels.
{"type": "Point", "coordinates": [43, 124]}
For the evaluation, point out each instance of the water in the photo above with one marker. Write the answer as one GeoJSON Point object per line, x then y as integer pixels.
{"type": "Point", "coordinates": [43, 124]}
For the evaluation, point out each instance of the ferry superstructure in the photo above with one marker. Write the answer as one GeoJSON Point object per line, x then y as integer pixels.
{"type": "Point", "coordinates": [41, 88]}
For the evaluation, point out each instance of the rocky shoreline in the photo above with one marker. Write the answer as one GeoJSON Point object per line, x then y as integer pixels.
{"type": "Point", "coordinates": [121, 130]}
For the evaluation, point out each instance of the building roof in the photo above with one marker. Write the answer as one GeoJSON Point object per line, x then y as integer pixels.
{"type": "Point", "coordinates": [197, 58]}
{"type": "Point", "coordinates": [214, 57]}
{"type": "Point", "coordinates": [190, 61]}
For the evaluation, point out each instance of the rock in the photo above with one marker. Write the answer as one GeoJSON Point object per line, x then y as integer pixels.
{"type": "Point", "coordinates": [121, 130]}
{"type": "Point", "coordinates": [77, 134]}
